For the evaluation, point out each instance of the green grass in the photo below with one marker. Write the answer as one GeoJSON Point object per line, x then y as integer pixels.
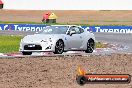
{"type": "Point", "coordinates": [9, 44]}
{"type": "Point", "coordinates": [100, 45]}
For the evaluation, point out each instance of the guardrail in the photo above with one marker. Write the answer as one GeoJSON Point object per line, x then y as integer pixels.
{"type": "Point", "coordinates": [39, 27]}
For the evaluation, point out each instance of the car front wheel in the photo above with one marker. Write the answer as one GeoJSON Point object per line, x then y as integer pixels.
{"type": "Point", "coordinates": [59, 48]}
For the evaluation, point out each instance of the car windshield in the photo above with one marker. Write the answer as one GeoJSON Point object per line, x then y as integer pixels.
{"type": "Point", "coordinates": [54, 30]}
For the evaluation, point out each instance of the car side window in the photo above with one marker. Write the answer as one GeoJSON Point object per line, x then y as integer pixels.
{"type": "Point", "coordinates": [76, 29]}
{"type": "Point", "coordinates": [81, 30]}
{"type": "Point", "coordinates": [72, 29]}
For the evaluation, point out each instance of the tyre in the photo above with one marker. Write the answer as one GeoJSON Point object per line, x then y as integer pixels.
{"type": "Point", "coordinates": [90, 46]}
{"type": "Point", "coordinates": [81, 80]}
{"type": "Point", "coordinates": [59, 47]}
{"type": "Point", "coordinates": [26, 53]}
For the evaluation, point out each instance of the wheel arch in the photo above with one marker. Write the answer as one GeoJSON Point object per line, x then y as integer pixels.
{"type": "Point", "coordinates": [61, 40]}
{"type": "Point", "coordinates": [91, 39]}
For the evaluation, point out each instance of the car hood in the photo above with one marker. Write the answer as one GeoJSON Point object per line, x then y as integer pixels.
{"type": "Point", "coordinates": [39, 37]}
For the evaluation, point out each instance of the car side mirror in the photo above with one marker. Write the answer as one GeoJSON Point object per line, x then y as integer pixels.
{"type": "Point", "coordinates": [72, 32]}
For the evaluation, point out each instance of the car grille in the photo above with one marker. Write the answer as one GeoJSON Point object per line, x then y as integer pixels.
{"type": "Point", "coordinates": [35, 47]}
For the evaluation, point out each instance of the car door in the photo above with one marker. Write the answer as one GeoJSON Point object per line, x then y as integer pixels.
{"type": "Point", "coordinates": [74, 40]}
{"type": "Point", "coordinates": [80, 36]}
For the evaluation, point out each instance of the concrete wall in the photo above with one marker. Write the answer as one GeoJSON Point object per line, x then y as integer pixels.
{"type": "Point", "coordinates": [68, 4]}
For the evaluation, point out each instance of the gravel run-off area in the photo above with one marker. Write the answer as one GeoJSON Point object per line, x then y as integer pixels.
{"type": "Point", "coordinates": [61, 71]}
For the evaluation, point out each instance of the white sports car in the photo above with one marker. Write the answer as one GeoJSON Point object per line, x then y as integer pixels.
{"type": "Point", "coordinates": [58, 39]}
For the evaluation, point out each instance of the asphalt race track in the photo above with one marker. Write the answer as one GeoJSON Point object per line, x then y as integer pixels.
{"type": "Point", "coordinates": [23, 33]}
{"type": "Point", "coordinates": [116, 38]}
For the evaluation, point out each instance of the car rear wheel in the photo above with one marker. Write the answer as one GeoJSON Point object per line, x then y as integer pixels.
{"type": "Point", "coordinates": [90, 46]}
{"type": "Point", "coordinates": [26, 53]}
{"type": "Point", "coordinates": [59, 48]}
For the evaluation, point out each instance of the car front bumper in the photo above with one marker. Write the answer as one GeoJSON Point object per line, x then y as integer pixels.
{"type": "Point", "coordinates": [37, 47]}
